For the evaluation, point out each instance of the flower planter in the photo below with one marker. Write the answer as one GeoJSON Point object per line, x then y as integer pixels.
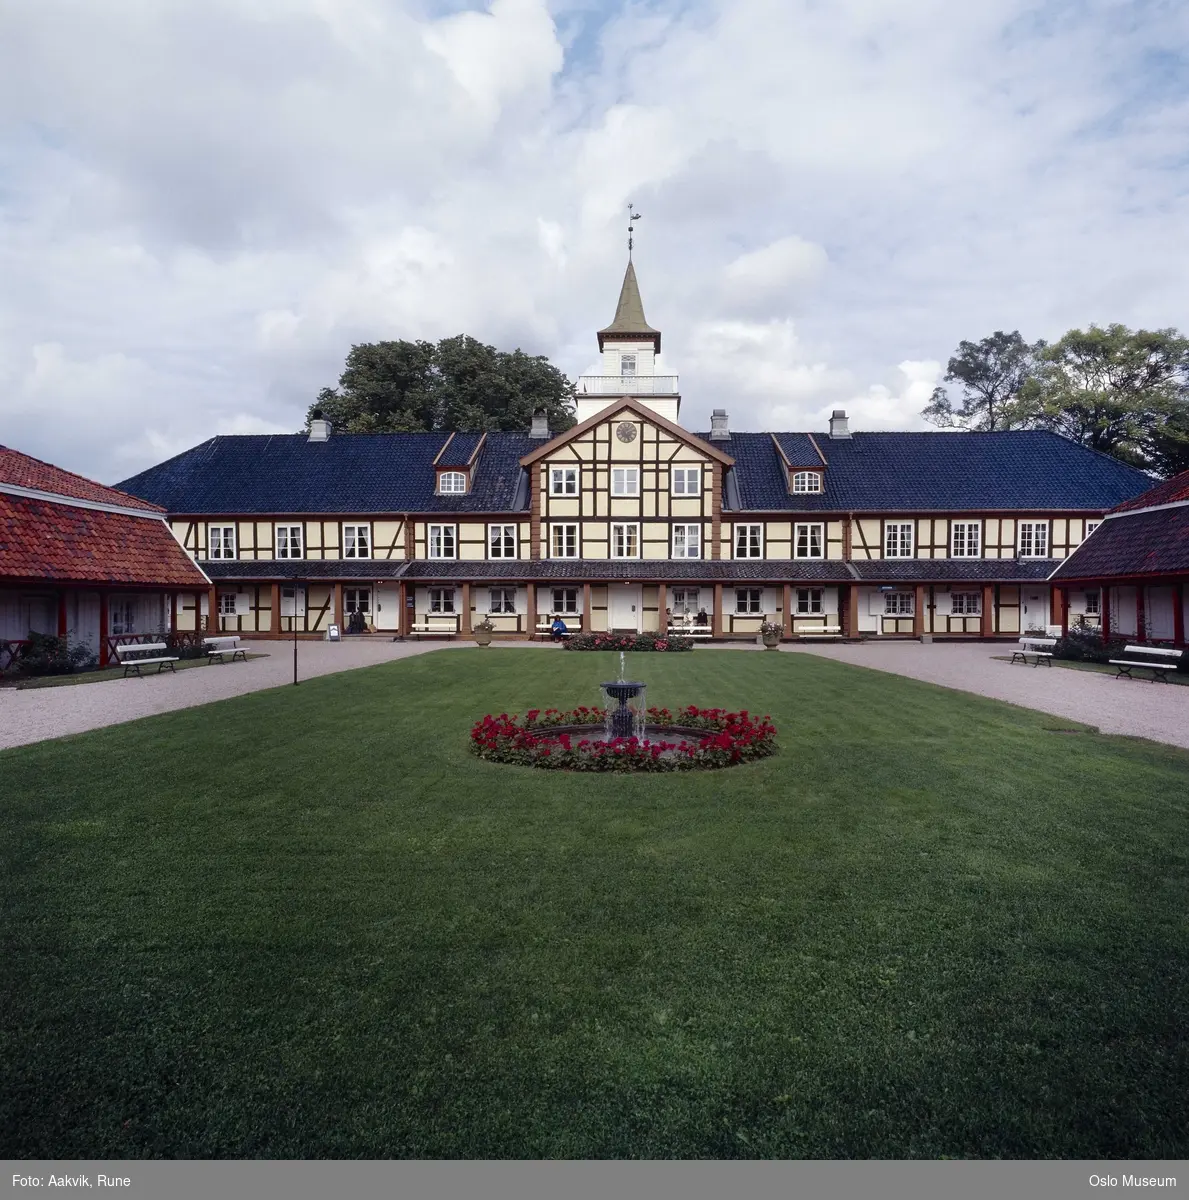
{"type": "Point", "coordinates": [771, 641]}
{"type": "Point", "coordinates": [482, 637]}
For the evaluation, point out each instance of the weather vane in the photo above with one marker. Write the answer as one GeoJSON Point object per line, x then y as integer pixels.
{"type": "Point", "coordinates": [632, 217]}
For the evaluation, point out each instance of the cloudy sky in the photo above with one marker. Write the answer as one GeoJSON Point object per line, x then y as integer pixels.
{"type": "Point", "coordinates": [204, 203]}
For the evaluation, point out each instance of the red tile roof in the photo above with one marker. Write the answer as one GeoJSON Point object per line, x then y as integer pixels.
{"type": "Point", "coordinates": [40, 540]}
{"type": "Point", "coordinates": [1168, 492]}
{"type": "Point", "coordinates": [24, 471]}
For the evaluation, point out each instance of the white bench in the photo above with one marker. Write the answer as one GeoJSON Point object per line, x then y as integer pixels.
{"type": "Point", "coordinates": [125, 659]}
{"type": "Point", "coordinates": [220, 647]}
{"type": "Point", "coordinates": [573, 625]}
{"type": "Point", "coordinates": [1167, 661]}
{"type": "Point", "coordinates": [1036, 648]}
{"type": "Point", "coordinates": [690, 631]}
{"type": "Point", "coordinates": [821, 631]}
{"type": "Point", "coordinates": [434, 629]}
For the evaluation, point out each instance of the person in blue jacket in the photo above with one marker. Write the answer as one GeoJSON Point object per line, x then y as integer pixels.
{"type": "Point", "coordinates": [558, 629]}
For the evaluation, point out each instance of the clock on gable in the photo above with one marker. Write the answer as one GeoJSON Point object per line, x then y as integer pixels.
{"type": "Point", "coordinates": [625, 431]}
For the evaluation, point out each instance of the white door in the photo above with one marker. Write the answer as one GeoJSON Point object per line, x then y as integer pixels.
{"type": "Point", "coordinates": [1159, 625]}
{"type": "Point", "coordinates": [387, 607]}
{"type": "Point", "coordinates": [293, 600]}
{"type": "Point", "coordinates": [1035, 601]}
{"type": "Point", "coordinates": [624, 610]}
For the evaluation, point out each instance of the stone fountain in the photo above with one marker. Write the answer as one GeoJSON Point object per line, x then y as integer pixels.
{"type": "Point", "coordinates": [626, 706]}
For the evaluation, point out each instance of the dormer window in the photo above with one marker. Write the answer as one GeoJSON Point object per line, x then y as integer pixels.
{"type": "Point", "coordinates": [452, 483]}
{"type": "Point", "coordinates": [806, 481]}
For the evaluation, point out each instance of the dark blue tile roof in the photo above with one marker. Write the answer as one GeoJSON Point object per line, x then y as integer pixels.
{"type": "Point", "coordinates": [348, 473]}
{"type": "Point", "coordinates": [799, 449]}
{"type": "Point", "coordinates": [305, 568]}
{"type": "Point", "coordinates": [610, 570]}
{"type": "Point", "coordinates": [953, 570]}
{"type": "Point", "coordinates": [954, 472]}
{"type": "Point", "coordinates": [458, 452]}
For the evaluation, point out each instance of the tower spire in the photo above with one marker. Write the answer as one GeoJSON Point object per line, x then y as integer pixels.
{"type": "Point", "coordinates": [629, 319]}
{"type": "Point", "coordinates": [632, 218]}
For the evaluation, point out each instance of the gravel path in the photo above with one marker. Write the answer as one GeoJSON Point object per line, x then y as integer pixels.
{"type": "Point", "coordinates": [1141, 709]}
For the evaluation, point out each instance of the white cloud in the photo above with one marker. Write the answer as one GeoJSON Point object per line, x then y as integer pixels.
{"type": "Point", "coordinates": [205, 204]}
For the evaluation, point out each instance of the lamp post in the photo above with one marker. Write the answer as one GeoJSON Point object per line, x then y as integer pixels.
{"type": "Point", "coordinates": [296, 585]}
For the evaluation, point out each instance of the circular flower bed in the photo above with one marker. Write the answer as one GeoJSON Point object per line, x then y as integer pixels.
{"type": "Point", "coordinates": [681, 740]}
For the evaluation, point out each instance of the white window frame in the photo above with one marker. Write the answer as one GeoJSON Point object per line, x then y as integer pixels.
{"type": "Point", "coordinates": [627, 364]}
{"type": "Point", "coordinates": [452, 483]}
{"type": "Point", "coordinates": [897, 535]}
{"type": "Point", "coordinates": [223, 610]}
{"type": "Point", "coordinates": [811, 602]}
{"type": "Point", "coordinates": [563, 481]}
{"type": "Point", "coordinates": [968, 528]}
{"type": "Point", "coordinates": [1093, 597]}
{"type": "Point", "coordinates": [224, 551]}
{"type": "Point", "coordinates": [749, 541]}
{"type": "Point", "coordinates": [501, 601]}
{"type": "Point", "coordinates": [1033, 528]}
{"type": "Point", "coordinates": [285, 549]}
{"type": "Point", "coordinates": [807, 482]}
{"type": "Point", "coordinates": [686, 481]}
{"type": "Point", "coordinates": [362, 547]}
{"type": "Point", "coordinates": [620, 532]}
{"type": "Point", "coordinates": [441, 601]}
{"type": "Point", "coordinates": [568, 605]}
{"type": "Point", "coordinates": [899, 604]}
{"type": "Point", "coordinates": [353, 596]}
{"type": "Point", "coordinates": [560, 528]}
{"type": "Point", "coordinates": [809, 527]}
{"type": "Point", "coordinates": [1089, 528]}
{"type": "Point", "coordinates": [691, 539]}
{"type": "Point", "coordinates": [122, 615]}
{"type": "Point", "coordinates": [499, 537]}
{"type": "Point", "coordinates": [972, 604]}
{"type": "Point", "coordinates": [685, 606]}
{"type": "Point", "coordinates": [745, 598]}
{"type": "Point", "coordinates": [446, 538]}
{"type": "Point", "coordinates": [628, 483]}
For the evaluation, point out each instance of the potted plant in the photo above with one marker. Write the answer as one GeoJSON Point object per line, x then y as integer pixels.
{"type": "Point", "coordinates": [483, 631]}
{"type": "Point", "coordinates": [771, 633]}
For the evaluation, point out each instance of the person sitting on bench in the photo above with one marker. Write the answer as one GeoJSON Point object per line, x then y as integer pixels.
{"type": "Point", "coordinates": [702, 618]}
{"type": "Point", "coordinates": [557, 630]}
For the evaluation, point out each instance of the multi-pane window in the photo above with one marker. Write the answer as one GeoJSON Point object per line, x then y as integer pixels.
{"type": "Point", "coordinates": [1093, 604]}
{"type": "Point", "coordinates": [452, 483]}
{"type": "Point", "coordinates": [627, 364]}
{"type": "Point", "coordinates": [686, 481]}
{"type": "Point", "coordinates": [749, 541]}
{"type": "Point", "coordinates": [122, 615]}
{"type": "Point", "coordinates": [441, 600]}
{"type": "Point", "coordinates": [625, 481]}
{"type": "Point", "coordinates": [749, 600]}
{"type": "Point", "coordinates": [625, 541]}
{"type": "Point", "coordinates": [563, 541]}
{"type": "Point", "coordinates": [565, 601]}
{"type": "Point", "coordinates": [684, 601]}
{"type": "Point", "coordinates": [965, 604]}
{"type": "Point", "coordinates": [503, 600]}
{"type": "Point", "coordinates": [442, 541]}
{"type": "Point", "coordinates": [220, 541]}
{"type": "Point", "coordinates": [1033, 541]}
{"type": "Point", "coordinates": [807, 481]}
{"type": "Point", "coordinates": [897, 539]}
{"type": "Point", "coordinates": [289, 541]}
{"type": "Point", "coordinates": [898, 604]}
{"type": "Point", "coordinates": [227, 604]}
{"type": "Point", "coordinates": [563, 481]}
{"type": "Point", "coordinates": [357, 600]}
{"type": "Point", "coordinates": [810, 601]}
{"type": "Point", "coordinates": [687, 541]}
{"type": "Point", "coordinates": [501, 541]}
{"type": "Point", "coordinates": [357, 541]}
{"type": "Point", "coordinates": [1091, 526]}
{"type": "Point", "coordinates": [808, 541]}
{"type": "Point", "coordinates": [966, 539]}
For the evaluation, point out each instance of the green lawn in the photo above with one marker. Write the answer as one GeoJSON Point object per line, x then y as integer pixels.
{"type": "Point", "coordinates": [101, 675]}
{"type": "Point", "coordinates": [307, 923]}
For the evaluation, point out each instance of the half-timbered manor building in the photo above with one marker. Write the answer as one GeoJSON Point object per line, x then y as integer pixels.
{"type": "Point", "coordinates": [630, 521]}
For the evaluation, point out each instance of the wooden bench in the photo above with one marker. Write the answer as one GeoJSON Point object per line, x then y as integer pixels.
{"type": "Point", "coordinates": [1167, 661]}
{"type": "Point", "coordinates": [1036, 648]}
{"type": "Point", "coordinates": [125, 659]}
{"type": "Point", "coordinates": [573, 626]}
{"type": "Point", "coordinates": [434, 629]}
{"type": "Point", "coordinates": [822, 631]}
{"type": "Point", "coordinates": [220, 647]}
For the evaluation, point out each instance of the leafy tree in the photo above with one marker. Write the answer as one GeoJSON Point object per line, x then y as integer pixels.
{"type": "Point", "coordinates": [992, 374]}
{"type": "Point", "coordinates": [457, 383]}
{"type": "Point", "coordinates": [1120, 392]}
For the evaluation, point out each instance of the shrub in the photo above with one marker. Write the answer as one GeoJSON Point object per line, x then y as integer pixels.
{"type": "Point", "coordinates": [46, 654]}
{"type": "Point", "coordinates": [1086, 644]}
{"type": "Point", "coordinates": [629, 641]}
{"type": "Point", "coordinates": [728, 739]}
